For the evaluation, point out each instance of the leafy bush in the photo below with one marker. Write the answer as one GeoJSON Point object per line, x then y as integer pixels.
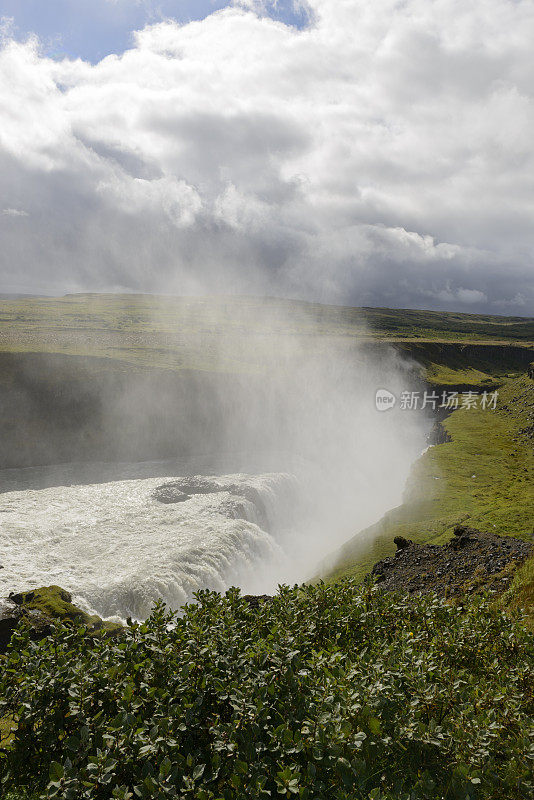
{"type": "Point", "coordinates": [331, 692]}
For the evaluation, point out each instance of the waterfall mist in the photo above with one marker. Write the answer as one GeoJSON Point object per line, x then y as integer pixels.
{"type": "Point", "coordinates": [144, 482]}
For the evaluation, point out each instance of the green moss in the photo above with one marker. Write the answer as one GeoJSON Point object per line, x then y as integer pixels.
{"type": "Point", "coordinates": [54, 603]}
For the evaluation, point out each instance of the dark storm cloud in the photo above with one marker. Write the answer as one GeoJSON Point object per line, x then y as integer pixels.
{"type": "Point", "coordinates": [381, 156]}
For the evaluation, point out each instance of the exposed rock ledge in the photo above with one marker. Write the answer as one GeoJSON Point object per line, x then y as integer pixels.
{"type": "Point", "coordinates": [473, 560]}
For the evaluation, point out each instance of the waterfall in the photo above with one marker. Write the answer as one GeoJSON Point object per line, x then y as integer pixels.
{"type": "Point", "coordinates": [121, 545]}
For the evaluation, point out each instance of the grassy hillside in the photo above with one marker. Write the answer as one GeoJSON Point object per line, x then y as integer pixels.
{"type": "Point", "coordinates": [484, 477]}
{"type": "Point", "coordinates": [463, 366]}
{"type": "Point", "coordinates": [448, 326]}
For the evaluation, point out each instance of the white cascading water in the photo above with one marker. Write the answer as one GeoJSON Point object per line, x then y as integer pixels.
{"type": "Point", "coordinates": [121, 545]}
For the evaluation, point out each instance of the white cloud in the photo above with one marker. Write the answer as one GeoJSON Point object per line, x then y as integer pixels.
{"type": "Point", "coordinates": [382, 156]}
{"type": "Point", "coordinates": [7, 25]}
{"type": "Point", "coordinates": [14, 212]}
{"type": "Point", "coordinates": [471, 296]}
{"type": "Point", "coordinates": [518, 301]}
{"type": "Point", "coordinates": [177, 201]}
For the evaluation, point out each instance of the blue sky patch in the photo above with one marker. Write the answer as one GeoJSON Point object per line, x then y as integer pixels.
{"type": "Point", "coordinates": [92, 29]}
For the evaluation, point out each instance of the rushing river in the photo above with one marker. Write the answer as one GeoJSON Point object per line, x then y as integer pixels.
{"type": "Point", "coordinates": [120, 544]}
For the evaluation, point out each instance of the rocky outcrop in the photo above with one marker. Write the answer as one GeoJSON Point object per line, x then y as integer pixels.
{"type": "Point", "coordinates": [170, 493]}
{"type": "Point", "coordinates": [472, 561]}
{"type": "Point", "coordinates": [521, 406]}
{"type": "Point", "coordinates": [9, 619]}
{"type": "Point", "coordinates": [183, 489]}
{"type": "Point", "coordinates": [39, 609]}
{"type": "Point", "coordinates": [438, 434]}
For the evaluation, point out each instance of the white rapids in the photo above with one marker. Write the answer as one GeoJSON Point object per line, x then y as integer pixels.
{"type": "Point", "coordinates": [118, 548]}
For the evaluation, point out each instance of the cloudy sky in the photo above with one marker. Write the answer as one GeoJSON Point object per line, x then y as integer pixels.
{"type": "Point", "coordinates": [370, 152]}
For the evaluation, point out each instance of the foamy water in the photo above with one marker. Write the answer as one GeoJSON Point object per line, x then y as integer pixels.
{"type": "Point", "coordinates": [118, 548]}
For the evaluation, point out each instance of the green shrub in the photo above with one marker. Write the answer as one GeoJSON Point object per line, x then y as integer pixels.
{"type": "Point", "coordinates": [331, 692]}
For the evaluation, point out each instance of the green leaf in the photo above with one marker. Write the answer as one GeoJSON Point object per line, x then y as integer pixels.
{"type": "Point", "coordinates": [374, 725]}
{"type": "Point", "coordinates": [56, 771]}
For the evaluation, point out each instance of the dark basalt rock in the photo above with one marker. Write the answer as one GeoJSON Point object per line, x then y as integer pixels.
{"type": "Point", "coordinates": [11, 615]}
{"type": "Point", "coordinates": [438, 435]}
{"type": "Point", "coordinates": [170, 493]}
{"type": "Point", "coordinates": [183, 489]}
{"type": "Point", "coordinates": [401, 542]}
{"type": "Point", "coordinates": [9, 619]}
{"type": "Point", "coordinates": [472, 561]}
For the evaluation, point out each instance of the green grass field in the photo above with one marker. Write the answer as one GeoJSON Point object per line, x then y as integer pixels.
{"type": "Point", "coordinates": [135, 312]}
{"type": "Point", "coordinates": [233, 333]}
